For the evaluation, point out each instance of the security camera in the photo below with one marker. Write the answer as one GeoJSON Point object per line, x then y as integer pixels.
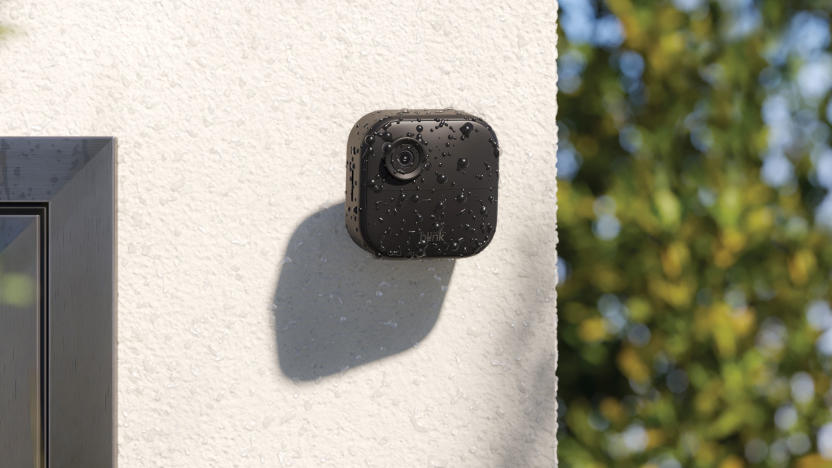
{"type": "Point", "coordinates": [422, 183]}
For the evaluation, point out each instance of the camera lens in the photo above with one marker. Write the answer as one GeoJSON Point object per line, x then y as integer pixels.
{"type": "Point", "coordinates": [404, 159]}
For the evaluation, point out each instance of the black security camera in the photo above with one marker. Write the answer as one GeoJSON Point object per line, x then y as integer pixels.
{"type": "Point", "coordinates": [422, 183]}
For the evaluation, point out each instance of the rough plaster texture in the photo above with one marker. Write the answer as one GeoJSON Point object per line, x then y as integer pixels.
{"type": "Point", "coordinates": [232, 121]}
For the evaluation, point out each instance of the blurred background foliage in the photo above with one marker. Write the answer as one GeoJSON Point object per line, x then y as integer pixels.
{"type": "Point", "coordinates": [695, 223]}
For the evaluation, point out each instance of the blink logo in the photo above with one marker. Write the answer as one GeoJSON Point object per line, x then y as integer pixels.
{"type": "Point", "coordinates": [437, 236]}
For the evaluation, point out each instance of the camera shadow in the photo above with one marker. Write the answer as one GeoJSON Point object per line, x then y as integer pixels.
{"type": "Point", "coordinates": [337, 306]}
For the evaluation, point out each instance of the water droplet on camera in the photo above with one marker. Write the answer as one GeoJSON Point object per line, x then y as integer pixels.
{"type": "Point", "coordinates": [462, 163]}
{"type": "Point", "coordinates": [419, 128]}
{"type": "Point", "coordinates": [466, 128]}
{"type": "Point", "coordinates": [370, 139]}
{"type": "Point", "coordinates": [386, 147]}
{"type": "Point", "coordinates": [441, 178]}
{"type": "Point", "coordinates": [387, 136]}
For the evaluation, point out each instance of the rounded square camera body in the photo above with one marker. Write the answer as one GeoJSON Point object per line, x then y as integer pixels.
{"type": "Point", "coordinates": [422, 183]}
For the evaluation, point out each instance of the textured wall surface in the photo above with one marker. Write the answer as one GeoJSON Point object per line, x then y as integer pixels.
{"type": "Point", "coordinates": [232, 121]}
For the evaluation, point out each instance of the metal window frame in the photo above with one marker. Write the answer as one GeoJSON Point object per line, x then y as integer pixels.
{"type": "Point", "coordinates": [69, 183]}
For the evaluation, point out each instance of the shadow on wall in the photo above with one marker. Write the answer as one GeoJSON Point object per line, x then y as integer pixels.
{"type": "Point", "coordinates": [337, 306]}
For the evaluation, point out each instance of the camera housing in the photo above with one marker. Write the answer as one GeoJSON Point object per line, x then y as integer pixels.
{"type": "Point", "coordinates": [422, 183]}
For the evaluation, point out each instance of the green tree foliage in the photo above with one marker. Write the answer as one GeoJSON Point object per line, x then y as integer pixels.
{"type": "Point", "coordinates": [694, 220]}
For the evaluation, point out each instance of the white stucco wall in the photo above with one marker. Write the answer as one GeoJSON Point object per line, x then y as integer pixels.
{"type": "Point", "coordinates": [232, 120]}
